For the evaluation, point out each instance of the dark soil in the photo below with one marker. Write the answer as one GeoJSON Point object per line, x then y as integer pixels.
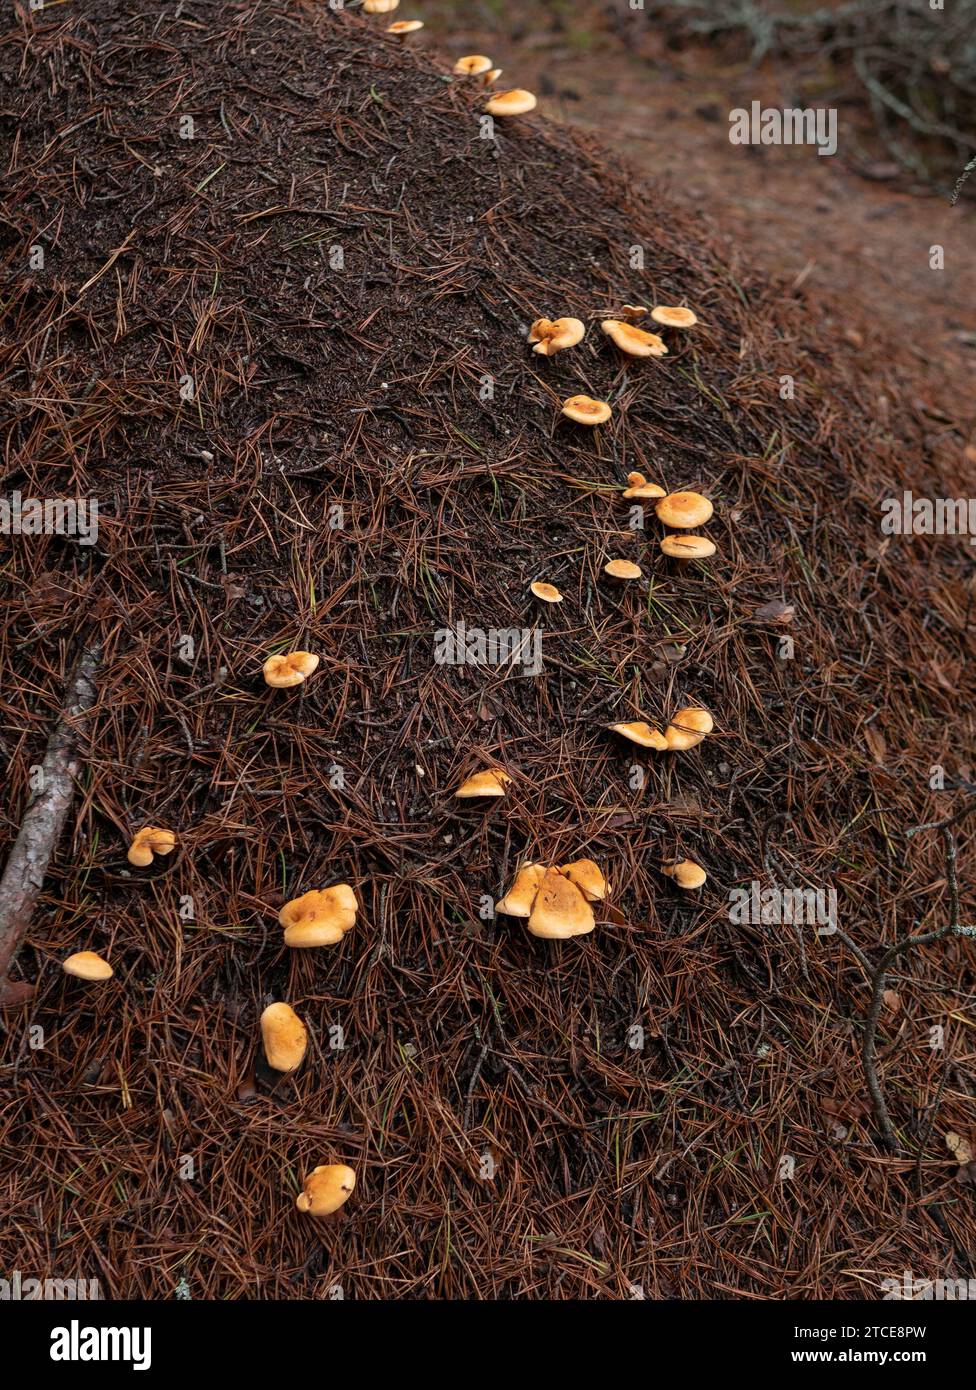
{"type": "Point", "coordinates": [364, 387]}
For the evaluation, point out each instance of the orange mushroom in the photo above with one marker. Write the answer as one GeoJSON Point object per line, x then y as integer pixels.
{"type": "Point", "coordinates": [683, 510]}
{"type": "Point", "coordinates": [326, 1189]}
{"type": "Point", "coordinates": [288, 669]}
{"type": "Point", "coordinates": [553, 335]}
{"type": "Point", "coordinates": [148, 842]}
{"type": "Point", "coordinates": [514, 103]}
{"type": "Point", "coordinates": [546, 593]}
{"type": "Point", "coordinates": [491, 782]}
{"type": "Point", "coordinates": [634, 341]}
{"type": "Point", "coordinates": [472, 66]}
{"type": "Point", "coordinates": [320, 917]}
{"type": "Point", "coordinates": [674, 317]}
{"type": "Point", "coordinates": [87, 965]}
{"type": "Point", "coordinates": [586, 411]}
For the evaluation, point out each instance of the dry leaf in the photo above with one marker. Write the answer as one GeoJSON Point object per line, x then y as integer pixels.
{"type": "Point", "coordinates": [775, 611]}
{"type": "Point", "coordinates": [960, 1148]}
{"type": "Point", "coordinates": [875, 742]}
{"type": "Point", "coordinates": [892, 1000]}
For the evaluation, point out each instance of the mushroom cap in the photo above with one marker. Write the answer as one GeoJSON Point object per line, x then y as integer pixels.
{"type": "Point", "coordinates": [148, 842]}
{"type": "Point", "coordinates": [560, 909]}
{"type": "Point", "coordinates": [548, 593]}
{"type": "Point", "coordinates": [518, 901]}
{"type": "Point", "coordinates": [686, 873]}
{"type": "Point", "coordinates": [586, 411]}
{"type": "Point", "coordinates": [326, 1189]}
{"type": "Point", "coordinates": [684, 509]}
{"type": "Point", "coordinates": [641, 733]}
{"type": "Point", "coordinates": [688, 547]}
{"type": "Point", "coordinates": [634, 311]}
{"type": "Point", "coordinates": [673, 317]}
{"type": "Point", "coordinates": [552, 335]}
{"type": "Point", "coordinates": [492, 76]}
{"type": "Point", "coordinates": [638, 486]}
{"type": "Point", "coordinates": [380, 6]}
{"type": "Point", "coordinates": [284, 1036]}
{"type": "Point", "coordinates": [688, 727]}
{"type": "Point", "coordinates": [490, 782]}
{"type": "Point", "coordinates": [622, 569]}
{"type": "Point", "coordinates": [320, 917]}
{"type": "Point", "coordinates": [472, 65]}
{"type": "Point", "coordinates": [405, 26]}
{"type": "Point", "coordinates": [634, 341]}
{"type": "Point", "coordinates": [87, 965]}
{"type": "Point", "coordinates": [289, 668]}
{"type": "Point", "coordinates": [588, 879]}
{"type": "Point", "coordinates": [514, 103]}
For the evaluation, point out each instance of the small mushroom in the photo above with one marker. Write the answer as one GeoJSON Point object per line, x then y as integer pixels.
{"type": "Point", "coordinates": [320, 917]}
{"type": "Point", "coordinates": [380, 6]}
{"type": "Point", "coordinates": [622, 569]}
{"type": "Point", "coordinates": [514, 103]}
{"type": "Point", "coordinates": [638, 486]}
{"type": "Point", "coordinates": [634, 341]}
{"type": "Point", "coordinates": [560, 909]}
{"type": "Point", "coordinates": [288, 669]}
{"type": "Point", "coordinates": [148, 842]}
{"type": "Point", "coordinates": [518, 901]}
{"type": "Point", "coordinates": [586, 411]}
{"type": "Point", "coordinates": [402, 27]}
{"type": "Point", "coordinates": [687, 547]}
{"type": "Point", "coordinates": [492, 76]}
{"type": "Point", "coordinates": [686, 873]}
{"type": "Point", "coordinates": [588, 879]}
{"type": "Point", "coordinates": [683, 510]}
{"type": "Point", "coordinates": [87, 965]}
{"type": "Point", "coordinates": [284, 1037]}
{"type": "Point", "coordinates": [491, 782]}
{"type": "Point", "coordinates": [673, 317]}
{"type": "Point", "coordinates": [641, 733]}
{"type": "Point", "coordinates": [326, 1189]}
{"type": "Point", "coordinates": [634, 311]}
{"type": "Point", "coordinates": [552, 335]}
{"type": "Point", "coordinates": [472, 66]}
{"type": "Point", "coordinates": [546, 593]}
{"type": "Point", "coordinates": [688, 727]}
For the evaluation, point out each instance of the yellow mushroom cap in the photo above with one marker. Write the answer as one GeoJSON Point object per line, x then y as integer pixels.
{"type": "Point", "coordinates": [687, 547]}
{"type": "Point", "coordinates": [548, 593]}
{"type": "Point", "coordinates": [688, 727]}
{"type": "Point", "coordinates": [586, 411]}
{"type": "Point", "coordinates": [674, 317]}
{"type": "Point", "coordinates": [320, 917]}
{"type": "Point", "coordinates": [560, 909]}
{"type": "Point", "coordinates": [284, 1037]}
{"type": "Point", "coordinates": [686, 873]}
{"type": "Point", "coordinates": [87, 965]}
{"type": "Point", "coordinates": [684, 509]}
{"type": "Point", "coordinates": [491, 782]}
{"type": "Point", "coordinates": [633, 341]}
{"type": "Point", "coordinates": [638, 486]}
{"type": "Point", "coordinates": [405, 26]}
{"type": "Point", "coordinates": [492, 76]}
{"type": "Point", "coordinates": [622, 569]}
{"type": "Point", "coordinates": [518, 901]}
{"type": "Point", "coordinates": [552, 335]}
{"type": "Point", "coordinates": [472, 65]}
{"type": "Point", "coordinates": [514, 103]}
{"type": "Point", "coordinates": [380, 6]}
{"type": "Point", "coordinates": [289, 669]}
{"type": "Point", "coordinates": [641, 733]}
{"type": "Point", "coordinates": [149, 841]}
{"type": "Point", "coordinates": [634, 311]}
{"type": "Point", "coordinates": [326, 1189]}
{"type": "Point", "coordinates": [588, 879]}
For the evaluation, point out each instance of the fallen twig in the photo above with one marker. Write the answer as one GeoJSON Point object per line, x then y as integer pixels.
{"type": "Point", "coordinates": [41, 828]}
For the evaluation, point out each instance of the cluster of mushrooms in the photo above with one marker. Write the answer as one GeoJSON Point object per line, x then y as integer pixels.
{"type": "Point", "coordinates": [556, 901]}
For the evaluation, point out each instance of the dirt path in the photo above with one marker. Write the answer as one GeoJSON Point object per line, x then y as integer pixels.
{"type": "Point", "coordinates": [860, 247]}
